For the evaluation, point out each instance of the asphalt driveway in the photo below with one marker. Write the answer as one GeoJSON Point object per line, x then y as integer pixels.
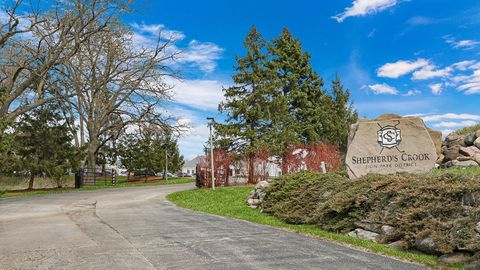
{"type": "Point", "coordinates": [136, 228]}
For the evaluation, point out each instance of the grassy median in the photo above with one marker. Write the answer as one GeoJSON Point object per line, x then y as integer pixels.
{"type": "Point", "coordinates": [230, 202]}
{"type": "Point", "coordinates": [172, 181]}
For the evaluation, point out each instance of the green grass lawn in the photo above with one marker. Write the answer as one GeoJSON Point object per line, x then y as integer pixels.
{"type": "Point", "coordinates": [170, 181]}
{"type": "Point", "coordinates": [230, 202]}
{"type": "Point", "coordinates": [458, 170]}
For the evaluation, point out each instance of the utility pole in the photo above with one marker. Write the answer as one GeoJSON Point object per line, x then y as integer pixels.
{"type": "Point", "coordinates": [166, 164]}
{"type": "Point", "coordinates": [210, 124]}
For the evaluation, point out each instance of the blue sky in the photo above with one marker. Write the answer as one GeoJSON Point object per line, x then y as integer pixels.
{"type": "Point", "coordinates": [419, 57]}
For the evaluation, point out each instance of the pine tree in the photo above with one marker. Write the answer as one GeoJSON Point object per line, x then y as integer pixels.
{"type": "Point", "coordinates": [279, 100]}
{"type": "Point", "coordinates": [343, 115]}
{"type": "Point", "coordinates": [298, 101]}
{"type": "Point", "coordinates": [43, 145]}
{"type": "Point", "coordinates": [146, 151]}
{"type": "Point", "coordinates": [245, 101]}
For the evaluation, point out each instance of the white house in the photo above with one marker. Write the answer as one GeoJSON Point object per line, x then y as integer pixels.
{"type": "Point", "coordinates": [190, 167]}
{"type": "Point", "coordinates": [239, 169]}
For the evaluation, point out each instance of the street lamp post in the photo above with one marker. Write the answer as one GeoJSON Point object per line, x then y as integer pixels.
{"type": "Point", "coordinates": [210, 124]}
{"type": "Point", "coordinates": [166, 164]}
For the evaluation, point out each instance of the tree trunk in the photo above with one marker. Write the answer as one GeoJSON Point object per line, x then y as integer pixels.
{"type": "Point", "coordinates": [284, 164]}
{"type": "Point", "coordinates": [251, 169]}
{"type": "Point", "coordinates": [30, 182]}
{"type": "Point", "coordinates": [82, 123]}
{"type": "Point", "coordinates": [91, 157]}
{"type": "Point", "coordinates": [227, 177]}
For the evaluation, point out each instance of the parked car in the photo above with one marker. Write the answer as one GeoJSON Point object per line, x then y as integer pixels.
{"type": "Point", "coordinates": [182, 174]}
{"type": "Point", "coordinates": [144, 173]}
{"type": "Point", "coordinates": [168, 174]}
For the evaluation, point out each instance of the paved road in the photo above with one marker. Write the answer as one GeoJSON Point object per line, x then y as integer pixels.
{"type": "Point", "coordinates": [136, 228]}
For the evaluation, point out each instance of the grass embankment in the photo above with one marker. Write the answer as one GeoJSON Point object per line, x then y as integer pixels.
{"type": "Point", "coordinates": [230, 202]}
{"type": "Point", "coordinates": [171, 181]}
{"type": "Point", "coordinates": [458, 171]}
{"type": "Point", "coordinates": [467, 130]}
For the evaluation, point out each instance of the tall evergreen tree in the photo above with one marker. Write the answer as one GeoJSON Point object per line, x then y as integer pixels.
{"type": "Point", "coordinates": [44, 147]}
{"type": "Point", "coordinates": [245, 101]}
{"type": "Point", "coordinates": [299, 101]}
{"type": "Point", "coordinates": [279, 100]}
{"type": "Point", "coordinates": [343, 115]}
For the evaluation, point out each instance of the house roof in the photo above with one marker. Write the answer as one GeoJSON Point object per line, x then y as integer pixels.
{"type": "Point", "coordinates": [193, 162]}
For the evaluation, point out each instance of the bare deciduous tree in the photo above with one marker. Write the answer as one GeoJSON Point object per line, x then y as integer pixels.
{"type": "Point", "coordinates": [34, 43]}
{"type": "Point", "coordinates": [114, 84]}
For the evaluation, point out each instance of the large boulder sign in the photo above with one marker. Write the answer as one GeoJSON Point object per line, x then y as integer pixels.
{"type": "Point", "coordinates": [390, 144]}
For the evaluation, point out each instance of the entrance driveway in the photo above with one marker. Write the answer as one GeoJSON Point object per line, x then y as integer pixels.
{"type": "Point", "coordinates": [136, 228]}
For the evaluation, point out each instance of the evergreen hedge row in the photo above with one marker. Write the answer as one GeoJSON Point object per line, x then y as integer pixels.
{"type": "Point", "coordinates": [444, 206]}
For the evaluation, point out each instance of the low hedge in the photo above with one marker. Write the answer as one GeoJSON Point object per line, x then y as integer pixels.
{"type": "Point", "coordinates": [443, 206]}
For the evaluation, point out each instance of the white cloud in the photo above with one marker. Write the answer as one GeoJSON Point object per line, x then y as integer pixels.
{"type": "Point", "coordinates": [194, 132]}
{"type": "Point", "coordinates": [459, 78]}
{"type": "Point", "coordinates": [383, 89]}
{"type": "Point", "coordinates": [199, 55]}
{"type": "Point", "coordinates": [157, 30]}
{"type": "Point", "coordinates": [191, 144]}
{"type": "Point", "coordinates": [414, 114]}
{"type": "Point", "coordinates": [445, 132]}
{"type": "Point", "coordinates": [202, 54]}
{"type": "Point", "coordinates": [400, 68]}
{"type": "Point", "coordinates": [201, 94]}
{"type": "Point", "coordinates": [463, 75]}
{"type": "Point", "coordinates": [469, 83]}
{"type": "Point", "coordinates": [141, 41]}
{"type": "Point", "coordinates": [436, 88]}
{"type": "Point", "coordinates": [25, 20]}
{"type": "Point", "coordinates": [451, 116]}
{"type": "Point", "coordinates": [475, 66]}
{"type": "Point", "coordinates": [412, 92]}
{"type": "Point", "coordinates": [3, 16]}
{"type": "Point", "coordinates": [431, 71]}
{"type": "Point", "coordinates": [148, 35]}
{"type": "Point", "coordinates": [365, 7]}
{"type": "Point", "coordinates": [449, 124]}
{"type": "Point", "coordinates": [466, 44]}
{"type": "Point", "coordinates": [464, 65]}
{"type": "Point", "coordinates": [421, 20]}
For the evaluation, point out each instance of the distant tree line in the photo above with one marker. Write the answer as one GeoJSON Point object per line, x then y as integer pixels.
{"type": "Point", "coordinates": [149, 150]}
{"type": "Point", "coordinates": [278, 100]}
{"type": "Point", "coordinates": [72, 82]}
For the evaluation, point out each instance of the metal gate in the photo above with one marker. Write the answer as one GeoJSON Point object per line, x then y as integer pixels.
{"type": "Point", "coordinates": [88, 177]}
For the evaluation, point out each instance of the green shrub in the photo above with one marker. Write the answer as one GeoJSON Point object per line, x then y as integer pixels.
{"type": "Point", "coordinates": [294, 197]}
{"type": "Point", "coordinates": [2, 191]}
{"type": "Point", "coordinates": [445, 206]}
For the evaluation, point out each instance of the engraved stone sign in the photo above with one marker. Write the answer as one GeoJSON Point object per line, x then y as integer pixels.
{"type": "Point", "coordinates": [390, 144]}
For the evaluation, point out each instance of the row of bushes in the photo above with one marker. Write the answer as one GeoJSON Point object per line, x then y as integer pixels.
{"type": "Point", "coordinates": [442, 206]}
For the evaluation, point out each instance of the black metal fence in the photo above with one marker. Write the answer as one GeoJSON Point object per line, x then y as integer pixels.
{"type": "Point", "coordinates": [98, 177]}
{"type": "Point", "coordinates": [90, 177]}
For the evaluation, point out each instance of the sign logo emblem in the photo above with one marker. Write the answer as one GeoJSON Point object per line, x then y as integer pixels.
{"type": "Point", "coordinates": [389, 136]}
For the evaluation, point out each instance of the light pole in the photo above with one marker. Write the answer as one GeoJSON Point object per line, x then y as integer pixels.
{"type": "Point", "coordinates": [210, 124]}
{"type": "Point", "coordinates": [166, 164]}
